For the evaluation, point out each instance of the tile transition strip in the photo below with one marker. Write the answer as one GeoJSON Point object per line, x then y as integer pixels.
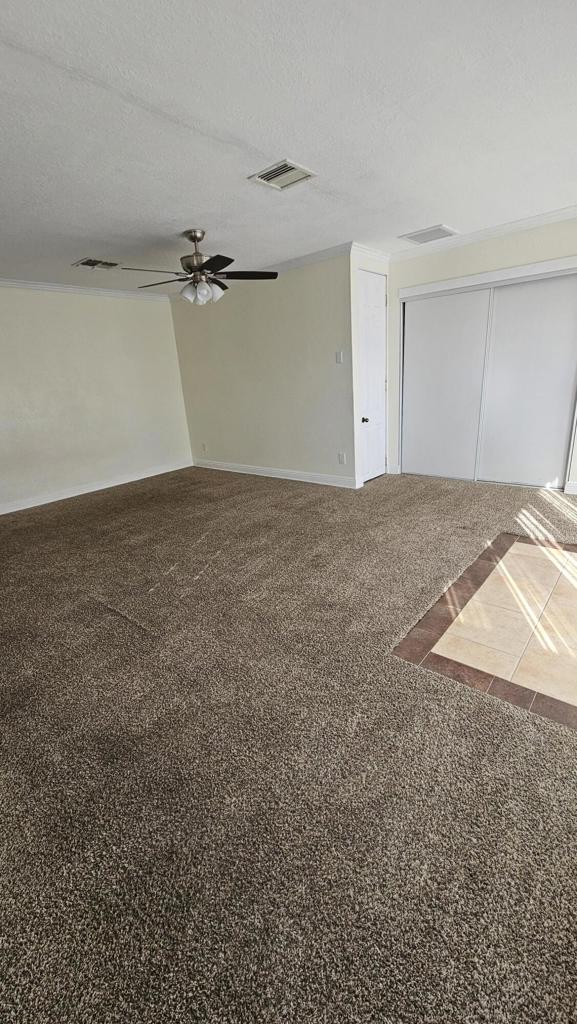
{"type": "Point", "coordinates": [417, 646]}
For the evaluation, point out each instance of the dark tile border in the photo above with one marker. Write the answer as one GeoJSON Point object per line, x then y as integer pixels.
{"type": "Point", "coordinates": [557, 710]}
{"type": "Point", "coordinates": [466, 674]}
{"type": "Point", "coordinates": [417, 646]}
{"type": "Point", "coordinates": [521, 696]}
{"type": "Point", "coordinates": [499, 547]}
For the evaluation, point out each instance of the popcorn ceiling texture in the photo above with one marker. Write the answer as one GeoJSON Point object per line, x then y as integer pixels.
{"type": "Point", "coordinates": [223, 800]}
{"type": "Point", "coordinates": [410, 113]}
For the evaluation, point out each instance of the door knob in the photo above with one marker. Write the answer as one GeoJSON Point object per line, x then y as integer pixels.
{"type": "Point", "coordinates": [364, 419]}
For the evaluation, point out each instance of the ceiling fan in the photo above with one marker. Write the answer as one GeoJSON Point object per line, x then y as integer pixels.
{"type": "Point", "coordinates": [204, 275]}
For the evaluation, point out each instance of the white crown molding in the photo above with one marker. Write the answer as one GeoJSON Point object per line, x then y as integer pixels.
{"type": "Point", "coordinates": [510, 227]}
{"type": "Point", "coordinates": [364, 251]}
{"type": "Point", "coordinates": [282, 474]}
{"type": "Point", "coordinates": [346, 248]}
{"type": "Point", "coordinates": [313, 257]}
{"type": "Point", "coordinates": [112, 293]}
{"type": "Point", "coordinates": [97, 485]}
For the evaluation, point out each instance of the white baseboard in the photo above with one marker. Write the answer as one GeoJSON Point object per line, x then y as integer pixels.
{"type": "Point", "coordinates": [395, 470]}
{"type": "Point", "coordinates": [97, 485]}
{"type": "Point", "coordinates": [570, 487]}
{"type": "Point", "coordinates": [282, 474]}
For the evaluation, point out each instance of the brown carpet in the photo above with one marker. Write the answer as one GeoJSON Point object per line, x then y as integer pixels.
{"type": "Point", "coordinates": [223, 800]}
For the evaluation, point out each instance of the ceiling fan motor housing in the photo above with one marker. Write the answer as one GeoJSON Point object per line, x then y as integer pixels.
{"type": "Point", "coordinates": [192, 262]}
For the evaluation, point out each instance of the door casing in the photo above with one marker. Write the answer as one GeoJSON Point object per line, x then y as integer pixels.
{"type": "Point", "coordinates": [490, 279]}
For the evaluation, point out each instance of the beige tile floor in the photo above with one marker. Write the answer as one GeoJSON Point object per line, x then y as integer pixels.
{"type": "Point", "coordinates": [521, 624]}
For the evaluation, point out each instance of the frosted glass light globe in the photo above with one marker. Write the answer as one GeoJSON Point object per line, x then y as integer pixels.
{"type": "Point", "coordinates": [203, 293]}
{"type": "Point", "coordinates": [217, 292]}
{"type": "Point", "coordinates": [189, 292]}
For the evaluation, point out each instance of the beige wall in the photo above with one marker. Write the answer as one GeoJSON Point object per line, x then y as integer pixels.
{"type": "Point", "coordinates": [551, 241]}
{"type": "Point", "coordinates": [261, 383]}
{"type": "Point", "coordinates": [90, 394]}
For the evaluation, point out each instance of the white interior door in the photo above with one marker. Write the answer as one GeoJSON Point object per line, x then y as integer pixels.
{"type": "Point", "coordinates": [372, 372]}
{"type": "Point", "coordinates": [531, 383]}
{"type": "Point", "coordinates": [444, 354]}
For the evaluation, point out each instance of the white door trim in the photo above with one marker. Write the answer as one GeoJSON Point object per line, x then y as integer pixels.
{"type": "Point", "coordinates": [361, 374]}
{"type": "Point", "coordinates": [493, 278]}
{"type": "Point", "coordinates": [376, 263]}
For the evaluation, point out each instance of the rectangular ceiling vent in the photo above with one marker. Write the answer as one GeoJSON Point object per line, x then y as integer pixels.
{"type": "Point", "coordinates": [94, 264]}
{"type": "Point", "coordinates": [282, 175]}
{"type": "Point", "coordinates": [433, 234]}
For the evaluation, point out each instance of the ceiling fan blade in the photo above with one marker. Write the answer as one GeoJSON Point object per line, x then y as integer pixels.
{"type": "Point", "coordinates": [157, 283]}
{"type": "Point", "coordinates": [221, 284]}
{"type": "Point", "coordinates": [249, 275]}
{"type": "Point", "coordinates": [144, 270]}
{"type": "Point", "coordinates": [216, 263]}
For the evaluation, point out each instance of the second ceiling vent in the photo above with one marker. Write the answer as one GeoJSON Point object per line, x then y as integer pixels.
{"type": "Point", "coordinates": [433, 234]}
{"type": "Point", "coordinates": [95, 264]}
{"type": "Point", "coordinates": [282, 175]}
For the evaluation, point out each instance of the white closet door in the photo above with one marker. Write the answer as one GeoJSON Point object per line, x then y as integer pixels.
{"type": "Point", "coordinates": [444, 353]}
{"type": "Point", "coordinates": [531, 383]}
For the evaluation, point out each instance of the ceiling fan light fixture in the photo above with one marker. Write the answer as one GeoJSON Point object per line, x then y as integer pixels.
{"type": "Point", "coordinates": [202, 276]}
{"type": "Point", "coordinates": [203, 293]}
{"type": "Point", "coordinates": [189, 292]}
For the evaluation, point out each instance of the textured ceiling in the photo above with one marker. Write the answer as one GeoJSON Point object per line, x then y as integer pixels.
{"type": "Point", "coordinates": [123, 123]}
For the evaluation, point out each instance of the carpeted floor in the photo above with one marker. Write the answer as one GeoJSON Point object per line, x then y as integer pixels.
{"type": "Point", "coordinates": [224, 801]}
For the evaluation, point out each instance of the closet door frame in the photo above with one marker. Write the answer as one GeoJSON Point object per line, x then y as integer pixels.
{"type": "Point", "coordinates": [476, 282]}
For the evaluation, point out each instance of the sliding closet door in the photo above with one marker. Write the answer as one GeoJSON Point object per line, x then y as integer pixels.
{"type": "Point", "coordinates": [444, 352]}
{"type": "Point", "coordinates": [531, 383]}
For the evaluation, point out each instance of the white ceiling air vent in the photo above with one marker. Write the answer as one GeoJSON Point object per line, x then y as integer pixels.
{"type": "Point", "coordinates": [433, 234]}
{"type": "Point", "coordinates": [282, 175]}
